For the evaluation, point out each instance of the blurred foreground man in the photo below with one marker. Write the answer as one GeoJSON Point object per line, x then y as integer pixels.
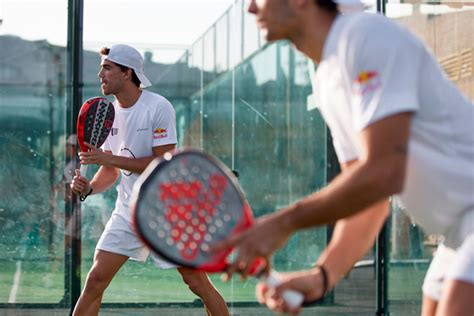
{"type": "Point", "coordinates": [399, 127]}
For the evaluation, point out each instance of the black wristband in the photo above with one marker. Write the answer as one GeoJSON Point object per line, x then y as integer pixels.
{"type": "Point", "coordinates": [324, 273]}
{"type": "Point", "coordinates": [82, 198]}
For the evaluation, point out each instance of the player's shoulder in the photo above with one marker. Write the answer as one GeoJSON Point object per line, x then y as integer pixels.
{"type": "Point", "coordinates": [370, 31]}
{"type": "Point", "coordinates": [365, 24]}
{"type": "Point", "coordinates": [364, 19]}
{"type": "Point", "coordinates": [155, 100]}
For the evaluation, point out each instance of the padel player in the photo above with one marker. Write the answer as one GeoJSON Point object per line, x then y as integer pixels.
{"type": "Point", "coordinates": [144, 128]}
{"type": "Point", "coordinates": [399, 127]}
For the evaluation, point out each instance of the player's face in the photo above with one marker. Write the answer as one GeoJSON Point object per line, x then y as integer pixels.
{"type": "Point", "coordinates": [111, 77]}
{"type": "Point", "coordinates": [272, 17]}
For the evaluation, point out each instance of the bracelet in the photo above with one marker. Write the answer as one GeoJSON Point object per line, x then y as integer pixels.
{"type": "Point", "coordinates": [324, 273]}
{"type": "Point", "coordinates": [82, 198]}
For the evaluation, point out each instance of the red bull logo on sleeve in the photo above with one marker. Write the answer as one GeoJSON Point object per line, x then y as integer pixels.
{"type": "Point", "coordinates": [159, 133]}
{"type": "Point", "coordinates": [366, 82]}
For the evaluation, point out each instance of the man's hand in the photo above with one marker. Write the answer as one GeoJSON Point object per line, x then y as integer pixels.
{"type": "Point", "coordinates": [79, 184]}
{"type": "Point", "coordinates": [310, 283]}
{"type": "Point", "coordinates": [266, 235]}
{"type": "Point", "coordinates": [94, 156]}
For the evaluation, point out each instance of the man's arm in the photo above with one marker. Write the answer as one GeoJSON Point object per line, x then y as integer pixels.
{"type": "Point", "coordinates": [102, 180]}
{"type": "Point", "coordinates": [379, 173]}
{"type": "Point", "coordinates": [135, 165]}
{"type": "Point", "coordinates": [352, 238]}
{"type": "Point", "coordinates": [110, 167]}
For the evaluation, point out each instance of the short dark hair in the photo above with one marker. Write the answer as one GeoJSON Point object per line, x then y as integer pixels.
{"type": "Point", "coordinates": [328, 5]}
{"type": "Point", "coordinates": [104, 51]}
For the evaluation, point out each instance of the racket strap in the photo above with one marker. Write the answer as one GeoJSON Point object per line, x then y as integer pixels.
{"type": "Point", "coordinates": [82, 198]}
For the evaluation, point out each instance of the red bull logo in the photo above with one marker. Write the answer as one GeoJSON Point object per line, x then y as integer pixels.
{"type": "Point", "coordinates": [366, 82]}
{"type": "Point", "coordinates": [160, 133]}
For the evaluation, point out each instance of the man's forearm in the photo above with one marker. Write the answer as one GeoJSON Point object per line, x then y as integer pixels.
{"type": "Point", "coordinates": [104, 178]}
{"type": "Point", "coordinates": [354, 190]}
{"type": "Point", "coordinates": [351, 239]}
{"type": "Point", "coordinates": [377, 173]}
{"type": "Point", "coordinates": [135, 165]}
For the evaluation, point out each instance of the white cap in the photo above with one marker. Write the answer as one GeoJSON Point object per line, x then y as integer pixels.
{"type": "Point", "coordinates": [347, 6]}
{"type": "Point", "coordinates": [128, 56]}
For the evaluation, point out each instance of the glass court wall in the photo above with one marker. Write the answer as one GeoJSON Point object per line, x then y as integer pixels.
{"type": "Point", "coordinates": [247, 102]}
{"type": "Point", "coordinates": [233, 98]}
{"type": "Point", "coordinates": [33, 154]}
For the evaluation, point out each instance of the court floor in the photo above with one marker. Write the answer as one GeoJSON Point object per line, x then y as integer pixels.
{"type": "Point", "coordinates": [355, 295]}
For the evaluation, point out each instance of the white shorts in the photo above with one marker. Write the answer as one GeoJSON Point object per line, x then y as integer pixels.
{"type": "Point", "coordinates": [450, 264]}
{"type": "Point", "coordinates": [119, 237]}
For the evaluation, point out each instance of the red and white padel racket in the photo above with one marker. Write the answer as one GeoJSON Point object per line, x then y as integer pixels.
{"type": "Point", "coordinates": [94, 124]}
{"type": "Point", "coordinates": [186, 201]}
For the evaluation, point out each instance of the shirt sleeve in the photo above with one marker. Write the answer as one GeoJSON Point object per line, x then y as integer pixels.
{"type": "Point", "coordinates": [345, 151]}
{"type": "Point", "coordinates": [164, 125]}
{"type": "Point", "coordinates": [383, 72]}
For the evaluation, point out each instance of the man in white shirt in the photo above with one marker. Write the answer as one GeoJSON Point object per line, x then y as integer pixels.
{"type": "Point", "coordinates": [399, 127]}
{"type": "Point", "coordinates": [144, 128]}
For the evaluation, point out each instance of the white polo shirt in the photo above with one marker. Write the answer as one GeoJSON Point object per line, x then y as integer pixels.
{"type": "Point", "coordinates": [373, 68]}
{"type": "Point", "coordinates": [150, 122]}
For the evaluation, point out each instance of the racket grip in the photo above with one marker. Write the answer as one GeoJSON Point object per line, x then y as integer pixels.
{"type": "Point", "coordinates": [293, 299]}
{"type": "Point", "coordinates": [83, 170]}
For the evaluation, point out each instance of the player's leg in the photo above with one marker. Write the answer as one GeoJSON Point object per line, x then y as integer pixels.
{"type": "Point", "coordinates": [117, 243]}
{"type": "Point", "coordinates": [458, 293]}
{"type": "Point", "coordinates": [458, 299]}
{"type": "Point", "coordinates": [106, 265]}
{"type": "Point", "coordinates": [434, 280]}
{"type": "Point", "coordinates": [428, 307]}
{"type": "Point", "coordinates": [199, 283]}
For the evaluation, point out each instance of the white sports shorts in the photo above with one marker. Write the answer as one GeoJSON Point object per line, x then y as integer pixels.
{"type": "Point", "coordinates": [450, 264]}
{"type": "Point", "coordinates": [118, 237]}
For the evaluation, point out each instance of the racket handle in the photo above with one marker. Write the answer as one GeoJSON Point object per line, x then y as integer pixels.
{"type": "Point", "coordinates": [83, 170]}
{"type": "Point", "coordinates": [293, 299]}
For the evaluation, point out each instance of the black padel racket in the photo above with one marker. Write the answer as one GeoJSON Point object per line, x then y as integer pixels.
{"type": "Point", "coordinates": [94, 124]}
{"type": "Point", "coordinates": [186, 201]}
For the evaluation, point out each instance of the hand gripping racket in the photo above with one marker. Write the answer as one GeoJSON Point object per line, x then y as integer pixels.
{"type": "Point", "coordinates": [187, 201]}
{"type": "Point", "coordinates": [94, 124]}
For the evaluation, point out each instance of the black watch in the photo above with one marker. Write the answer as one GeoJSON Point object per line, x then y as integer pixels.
{"type": "Point", "coordinates": [82, 198]}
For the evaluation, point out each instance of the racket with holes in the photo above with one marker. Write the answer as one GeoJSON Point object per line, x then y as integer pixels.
{"type": "Point", "coordinates": [187, 201]}
{"type": "Point", "coordinates": [94, 124]}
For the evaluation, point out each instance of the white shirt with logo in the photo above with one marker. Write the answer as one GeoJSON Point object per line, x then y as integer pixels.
{"type": "Point", "coordinates": [150, 122]}
{"type": "Point", "coordinates": [372, 68]}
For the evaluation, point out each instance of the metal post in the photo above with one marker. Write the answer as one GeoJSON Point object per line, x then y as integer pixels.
{"type": "Point", "coordinates": [382, 260]}
{"type": "Point", "coordinates": [332, 170]}
{"type": "Point", "coordinates": [73, 208]}
{"type": "Point", "coordinates": [382, 253]}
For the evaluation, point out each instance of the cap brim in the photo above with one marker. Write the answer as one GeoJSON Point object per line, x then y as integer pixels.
{"type": "Point", "coordinates": [144, 82]}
